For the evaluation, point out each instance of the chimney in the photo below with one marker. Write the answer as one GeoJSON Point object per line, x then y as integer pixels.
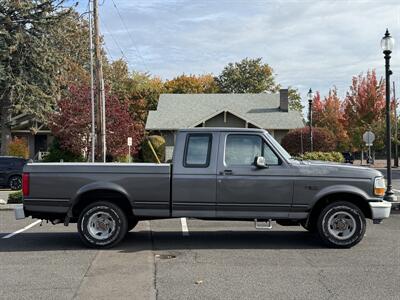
{"type": "Point", "coordinates": [284, 100]}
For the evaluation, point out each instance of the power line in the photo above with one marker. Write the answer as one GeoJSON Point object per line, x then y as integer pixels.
{"type": "Point", "coordinates": [130, 36]}
{"type": "Point", "coordinates": [115, 42]}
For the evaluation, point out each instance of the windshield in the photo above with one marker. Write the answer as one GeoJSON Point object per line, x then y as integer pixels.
{"type": "Point", "coordinates": [278, 146]}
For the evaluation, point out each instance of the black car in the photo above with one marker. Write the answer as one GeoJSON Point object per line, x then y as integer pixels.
{"type": "Point", "coordinates": [11, 171]}
{"type": "Point", "coordinates": [348, 157]}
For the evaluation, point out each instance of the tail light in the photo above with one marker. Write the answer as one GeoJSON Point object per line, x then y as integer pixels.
{"type": "Point", "coordinates": [25, 184]}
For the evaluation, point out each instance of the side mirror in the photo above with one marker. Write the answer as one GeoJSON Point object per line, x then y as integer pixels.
{"type": "Point", "coordinates": [259, 161]}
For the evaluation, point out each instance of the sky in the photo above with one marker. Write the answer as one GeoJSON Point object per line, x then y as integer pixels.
{"type": "Point", "coordinates": [309, 44]}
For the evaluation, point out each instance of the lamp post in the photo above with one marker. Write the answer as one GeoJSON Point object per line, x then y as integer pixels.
{"type": "Point", "coordinates": [387, 44]}
{"type": "Point", "coordinates": [310, 96]}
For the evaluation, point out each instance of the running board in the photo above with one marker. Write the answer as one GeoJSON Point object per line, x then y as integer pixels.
{"type": "Point", "coordinates": [268, 224]}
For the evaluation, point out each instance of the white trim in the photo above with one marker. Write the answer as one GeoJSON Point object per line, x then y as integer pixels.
{"type": "Point", "coordinates": [224, 111]}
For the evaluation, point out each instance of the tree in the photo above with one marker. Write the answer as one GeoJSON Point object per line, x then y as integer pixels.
{"type": "Point", "coordinates": [71, 123]}
{"type": "Point", "coordinates": [323, 140]}
{"type": "Point", "coordinates": [253, 76]}
{"type": "Point", "coordinates": [247, 76]}
{"type": "Point", "coordinates": [328, 113]}
{"type": "Point", "coordinates": [184, 84]}
{"type": "Point", "coordinates": [295, 99]}
{"type": "Point", "coordinates": [364, 109]}
{"type": "Point", "coordinates": [29, 64]}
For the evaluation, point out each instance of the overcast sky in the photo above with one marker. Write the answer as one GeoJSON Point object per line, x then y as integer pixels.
{"type": "Point", "coordinates": [314, 44]}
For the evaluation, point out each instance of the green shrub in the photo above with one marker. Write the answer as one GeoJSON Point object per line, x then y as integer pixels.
{"type": "Point", "coordinates": [15, 198]}
{"type": "Point", "coordinates": [56, 154]}
{"type": "Point", "coordinates": [18, 147]}
{"type": "Point", "coordinates": [324, 156]}
{"type": "Point", "coordinates": [158, 143]}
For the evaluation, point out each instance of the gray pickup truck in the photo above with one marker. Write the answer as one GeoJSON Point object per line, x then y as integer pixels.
{"type": "Point", "coordinates": [216, 174]}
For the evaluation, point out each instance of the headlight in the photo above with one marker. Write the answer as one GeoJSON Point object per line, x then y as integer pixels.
{"type": "Point", "coordinates": [379, 186]}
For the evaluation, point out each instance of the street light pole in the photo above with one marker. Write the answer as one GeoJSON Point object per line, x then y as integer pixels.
{"type": "Point", "coordinates": [387, 44]}
{"type": "Point", "coordinates": [310, 99]}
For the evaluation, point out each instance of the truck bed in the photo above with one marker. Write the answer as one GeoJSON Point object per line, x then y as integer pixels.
{"type": "Point", "coordinates": [55, 186]}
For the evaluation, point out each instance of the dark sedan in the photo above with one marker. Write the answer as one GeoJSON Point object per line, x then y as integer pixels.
{"type": "Point", "coordinates": [11, 171]}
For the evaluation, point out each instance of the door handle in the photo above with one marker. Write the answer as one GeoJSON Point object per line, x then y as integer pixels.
{"type": "Point", "coordinates": [226, 172]}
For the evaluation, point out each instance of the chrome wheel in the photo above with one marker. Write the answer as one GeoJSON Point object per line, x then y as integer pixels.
{"type": "Point", "coordinates": [15, 183]}
{"type": "Point", "coordinates": [342, 225]}
{"type": "Point", "coordinates": [101, 225]}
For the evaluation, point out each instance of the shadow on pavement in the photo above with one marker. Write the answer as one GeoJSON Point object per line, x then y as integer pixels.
{"type": "Point", "coordinates": [167, 240]}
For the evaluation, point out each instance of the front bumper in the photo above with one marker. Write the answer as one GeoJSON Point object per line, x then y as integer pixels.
{"type": "Point", "coordinates": [380, 210]}
{"type": "Point", "coordinates": [19, 212]}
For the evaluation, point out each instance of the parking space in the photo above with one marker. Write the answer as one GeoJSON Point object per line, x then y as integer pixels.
{"type": "Point", "coordinates": [215, 260]}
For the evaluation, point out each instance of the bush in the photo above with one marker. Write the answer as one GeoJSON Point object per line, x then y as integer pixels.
{"type": "Point", "coordinates": [323, 140]}
{"type": "Point", "coordinates": [56, 154]}
{"type": "Point", "coordinates": [158, 143]}
{"type": "Point", "coordinates": [325, 156]}
{"type": "Point", "coordinates": [18, 147]}
{"type": "Point", "coordinates": [15, 198]}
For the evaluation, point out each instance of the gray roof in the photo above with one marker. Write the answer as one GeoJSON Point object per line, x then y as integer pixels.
{"type": "Point", "coordinates": [176, 111]}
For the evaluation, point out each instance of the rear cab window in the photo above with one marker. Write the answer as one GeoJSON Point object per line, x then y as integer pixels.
{"type": "Point", "coordinates": [197, 150]}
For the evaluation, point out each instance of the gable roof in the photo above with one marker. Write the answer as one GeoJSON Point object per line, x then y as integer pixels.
{"type": "Point", "coordinates": [176, 111]}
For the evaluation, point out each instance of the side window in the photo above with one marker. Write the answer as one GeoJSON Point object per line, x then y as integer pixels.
{"type": "Point", "coordinates": [242, 149]}
{"type": "Point", "coordinates": [270, 157]}
{"type": "Point", "coordinates": [197, 151]}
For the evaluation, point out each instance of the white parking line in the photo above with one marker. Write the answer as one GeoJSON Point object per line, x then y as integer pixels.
{"type": "Point", "coordinates": [397, 191]}
{"type": "Point", "coordinates": [21, 230]}
{"type": "Point", "coordinates": [185, 229]}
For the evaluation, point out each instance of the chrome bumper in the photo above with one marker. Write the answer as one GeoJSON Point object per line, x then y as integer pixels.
{"type": "Point", "coordinates": [380, 210]}
{"type": "Point", "coordinates": [19, 212]}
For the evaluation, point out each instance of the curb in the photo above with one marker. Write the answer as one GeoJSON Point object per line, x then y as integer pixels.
{"type": "Point", "coordinates": [8, 206]}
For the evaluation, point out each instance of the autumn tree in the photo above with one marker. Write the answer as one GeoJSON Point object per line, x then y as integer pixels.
{"type": "Point", "coordinates": [299, 139]}
{"type": "Point", "coordinates": [71, 123]}
{"type": "Point", "coordinates": [191, 84]}
{"type": "Point", "coordinates": [329, 113]}
{"type": "Point", "coordinates": [364, 109]}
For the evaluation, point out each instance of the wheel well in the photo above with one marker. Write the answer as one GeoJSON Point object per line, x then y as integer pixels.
{"type": "Point", "coordinates": [352, 198]}
{"type": "Point", "coordinates": [102, 195]}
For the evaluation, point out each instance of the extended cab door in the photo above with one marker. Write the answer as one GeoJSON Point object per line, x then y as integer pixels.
{"type": "Point", "coordinates": [194, 174]}
{"type": "Point", "coordinates": [245, 191]}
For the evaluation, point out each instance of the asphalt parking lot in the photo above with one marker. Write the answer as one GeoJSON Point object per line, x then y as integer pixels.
{"type": "Point", "coordinates": [211, 260]}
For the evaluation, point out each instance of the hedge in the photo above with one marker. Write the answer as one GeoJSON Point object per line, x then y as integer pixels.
{"type": "Point", "coordinates": [15, 198]}
{"type": "Point", "coordinates": [324, 156]}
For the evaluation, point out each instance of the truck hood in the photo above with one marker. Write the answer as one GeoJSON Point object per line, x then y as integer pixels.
{"type": "Point", "coordinates": [331, 169]}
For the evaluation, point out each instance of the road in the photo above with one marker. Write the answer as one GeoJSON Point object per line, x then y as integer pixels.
{"type": "Point", "coordinates": [206, 260]}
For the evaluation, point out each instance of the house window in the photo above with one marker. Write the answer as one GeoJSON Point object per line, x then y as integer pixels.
{"type": "Point", "coordinates": [242, 149]}
{"type": "Point", "coordinates": [197, 151]}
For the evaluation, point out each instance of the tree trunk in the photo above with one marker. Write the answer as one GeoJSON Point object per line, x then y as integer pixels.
{"type": "Point", "coordinates": [5, 127]}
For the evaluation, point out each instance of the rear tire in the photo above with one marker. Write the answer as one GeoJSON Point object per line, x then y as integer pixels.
{"type": "Point", "coordinates": [341, 225]}
{"type": "Point", "coordinates": [102, 224]}
{"type": "Point", "coordinates": [15, 183]}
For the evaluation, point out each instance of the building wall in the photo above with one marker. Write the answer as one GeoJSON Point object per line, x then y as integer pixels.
{"type": "Point", "coordinates": [279, 134]}
{"type": "Point", "coordinates": [231, 121]}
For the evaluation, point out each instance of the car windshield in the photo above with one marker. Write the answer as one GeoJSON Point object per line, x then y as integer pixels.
{"type": "Point", "coordinates": [278, 146]}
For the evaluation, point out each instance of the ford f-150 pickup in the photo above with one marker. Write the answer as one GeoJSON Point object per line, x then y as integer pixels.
{"type": "Point", "coordinates": [216, 174]}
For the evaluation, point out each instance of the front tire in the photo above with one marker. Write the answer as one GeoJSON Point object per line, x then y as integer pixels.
{"type": "Point", "coordinates": [102, 224]}
{"type": "Point", "coordinates": [341, 225]}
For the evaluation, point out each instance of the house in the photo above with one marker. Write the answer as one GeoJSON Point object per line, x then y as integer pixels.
{"type": "Point", "coordinates": [35, 133]}
{"type": "Point", "coordinates": [267, 111]}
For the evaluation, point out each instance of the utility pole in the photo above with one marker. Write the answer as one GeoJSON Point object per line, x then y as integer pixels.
{"type": "Point", "coordinates": [396, 146]}
{"type": "Point", "coordinates": [100, 99]}
{"type": "Point", "coordinates": [93, 129]}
